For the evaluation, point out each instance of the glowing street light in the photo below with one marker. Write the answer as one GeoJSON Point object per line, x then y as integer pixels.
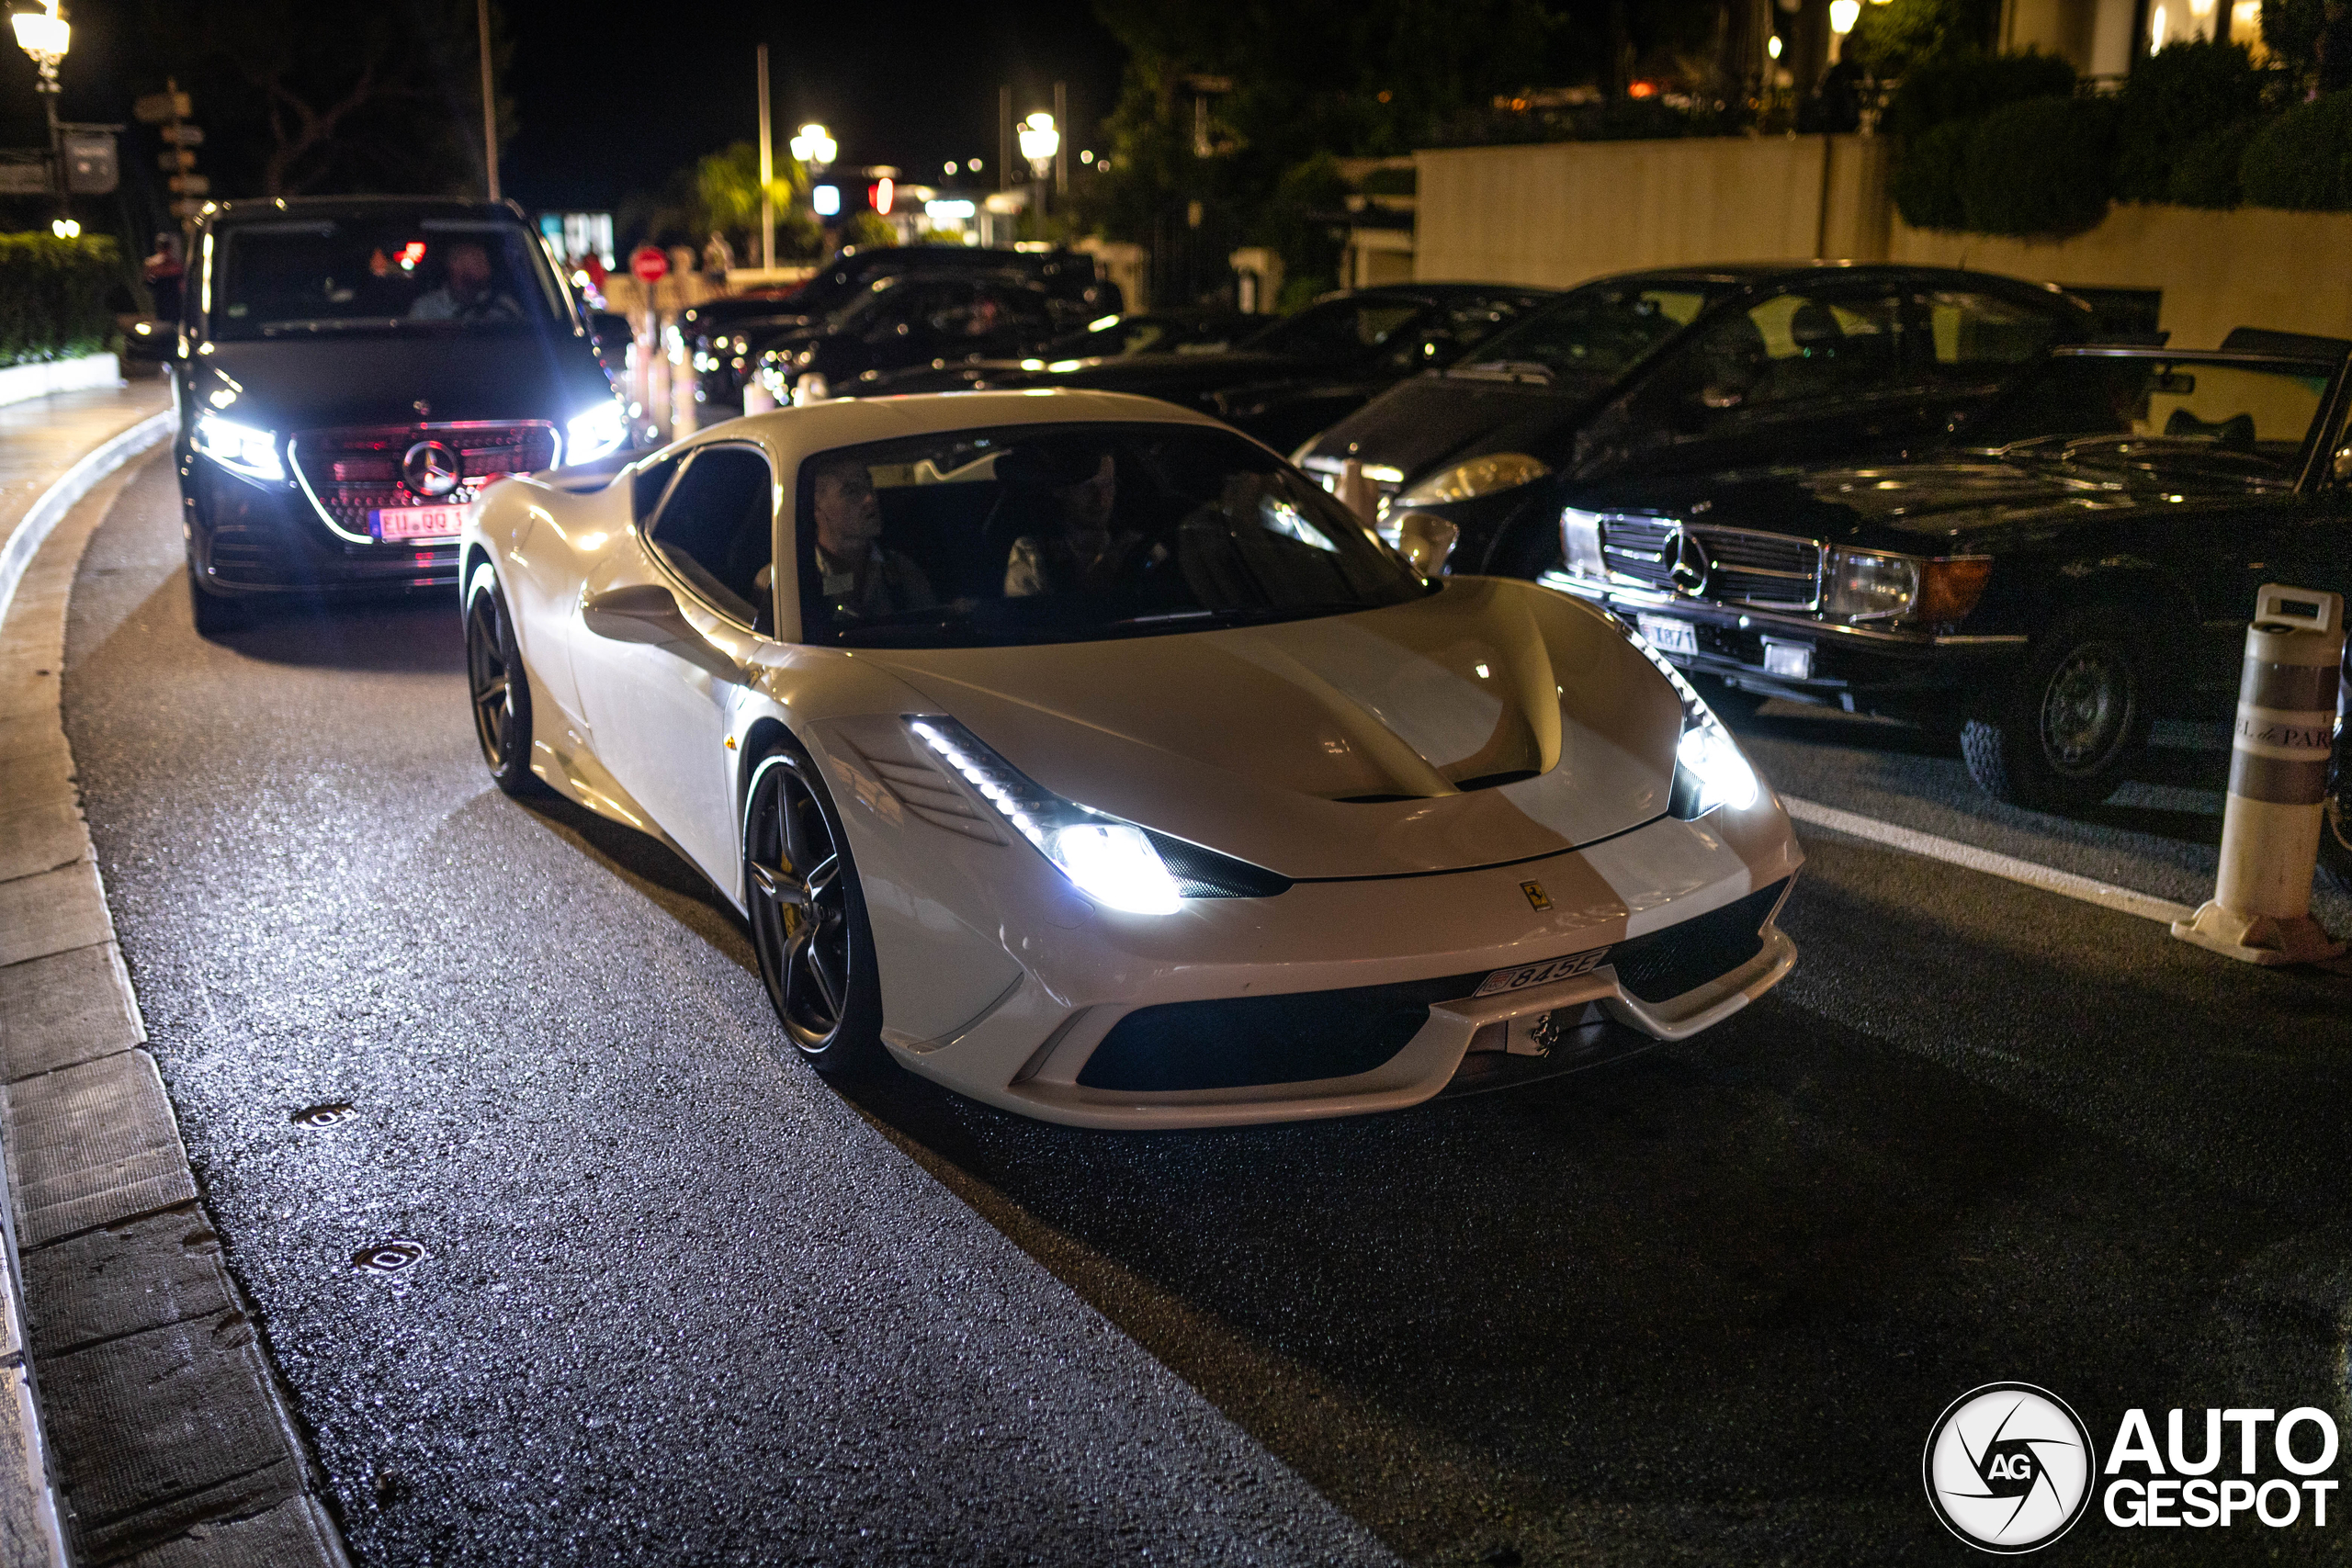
{"type": "Point", "coordinates": [46, 35]}
{"type": "Point", "coordinates": [814, 146]}
{"type": "Point", "coordinates": [1039, 143]}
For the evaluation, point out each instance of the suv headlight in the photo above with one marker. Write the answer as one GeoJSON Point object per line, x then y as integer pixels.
{"type": "Point", "coordinates": [587, 436]}
{"type": "Point", "coordinates": [1110, 860]}
{"type": "Point", "coordinates": [1878, 585]}
{"type": "Point", "coordinates": [240, 449]}
{"type": "Point", "coordinates": [1475, 477]}
{"type": "Point", "coordinates": [1709, 767]}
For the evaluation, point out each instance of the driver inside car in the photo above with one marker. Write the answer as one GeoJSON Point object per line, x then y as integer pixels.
{"type": "Point", "coordinates": [1085, 547]}
{"type": "Point", "coordinates": [861, 580]}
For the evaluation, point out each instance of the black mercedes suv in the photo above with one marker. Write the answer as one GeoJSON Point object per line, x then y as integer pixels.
{"type": "Point", "coordinates": [350, 372]}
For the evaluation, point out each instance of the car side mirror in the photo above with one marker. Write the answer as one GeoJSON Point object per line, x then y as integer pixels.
{"type": "Point", "coordinates": [648, 612]}
{"type": "Point", "coordinates": [1426, 540]}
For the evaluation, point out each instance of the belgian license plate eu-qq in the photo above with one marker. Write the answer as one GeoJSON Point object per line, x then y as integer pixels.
{"type": "Point", "coordinates": [1543, 974]}
{"type": "Point", "coordinates": [1679, 637]}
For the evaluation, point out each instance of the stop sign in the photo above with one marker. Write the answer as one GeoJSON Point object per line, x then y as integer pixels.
{"type": "Point", "coordinates": [649, 263]}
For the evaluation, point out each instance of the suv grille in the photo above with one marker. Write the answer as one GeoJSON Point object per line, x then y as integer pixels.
{"type": "Point", "coordinates": [1744, 568]}
{"type": "Point", "coordinates": [353, 472]}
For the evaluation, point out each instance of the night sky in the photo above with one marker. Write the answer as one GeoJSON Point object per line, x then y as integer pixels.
{"type": "Point", "coordinates": [610, 98]}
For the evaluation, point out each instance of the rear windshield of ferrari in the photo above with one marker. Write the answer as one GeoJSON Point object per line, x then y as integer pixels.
{"type": "Point", "coordinates": [309, 277]}
{"type": "Point", "coordinates": [1073, 533]}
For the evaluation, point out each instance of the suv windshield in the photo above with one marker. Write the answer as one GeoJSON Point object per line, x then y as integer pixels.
{"type": "Point", "coordinates": [1596, 332]}
{"type": "Point", "coordinates": [1064, 534]}
{"type": "Point", "coordinates": [2243, 419]}
{"type": "Point", "coordinates": [310, 276]}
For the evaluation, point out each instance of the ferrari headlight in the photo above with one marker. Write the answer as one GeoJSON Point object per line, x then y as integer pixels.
{"type": "Point", "coordinates": [1474, 478]}
{"type": "Point", "coordinates": [1709, 767]}
{"type": "Point", "coordinates": [240, 449]}
{"type": "Point", "coordinates": [589, 435]}
{"type": "Point", "coordinates": [1110, 860]}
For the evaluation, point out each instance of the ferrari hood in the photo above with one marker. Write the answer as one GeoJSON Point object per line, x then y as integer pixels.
{"type": "Point", "coordinates": [1491, 722]}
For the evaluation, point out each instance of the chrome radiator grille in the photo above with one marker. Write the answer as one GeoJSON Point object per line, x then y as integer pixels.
{"type": "Point", "coordinates": [353, 472]}
{"type": "Point", "coordinates": [1743, 568]}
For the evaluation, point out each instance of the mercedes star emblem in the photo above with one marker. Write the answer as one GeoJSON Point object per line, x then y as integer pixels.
{"type": "Point", "coordinates": [430, 469]}
{"type": "Point", "coordinates": [1690, 562]}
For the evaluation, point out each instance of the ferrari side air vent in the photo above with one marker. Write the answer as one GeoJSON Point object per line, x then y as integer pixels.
{"type": "Point", "coordinates": [1204, 874]}
{"type": "Point", "coordinates": [929, 794]}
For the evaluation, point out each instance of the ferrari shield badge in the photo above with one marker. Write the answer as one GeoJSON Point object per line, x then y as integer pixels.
{"type": "Point", "coordinates": [1536, 897]}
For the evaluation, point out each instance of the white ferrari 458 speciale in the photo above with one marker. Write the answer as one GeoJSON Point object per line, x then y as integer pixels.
{"type": "Point", "coordinates": [1077, 753]}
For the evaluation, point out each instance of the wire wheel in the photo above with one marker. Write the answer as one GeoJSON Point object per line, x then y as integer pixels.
{"type": "Point", "coordinates": [798, 884]}
{"type": "Point", "coordinates": [2090, 707]}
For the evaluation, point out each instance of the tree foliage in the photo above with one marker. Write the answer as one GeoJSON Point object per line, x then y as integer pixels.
{"type": "Point", "coordinates": [297, 97]}
{"type": "Point", "coordinates": [2182, 93]}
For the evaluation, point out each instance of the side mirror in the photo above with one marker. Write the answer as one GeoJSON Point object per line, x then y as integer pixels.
{"type": "Point", "coordinates": [647, 613]}
{"type": "Point", "coordinates": [1426, 540]}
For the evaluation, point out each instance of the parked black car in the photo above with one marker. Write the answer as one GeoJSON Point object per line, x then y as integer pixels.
{"type": "Point", "coordinates": [1152, 332]}
{"type": "Point", "coordinates": [350, 372]}
{"type": "Point", "coordinates": [1295, 377]}
{"type": "Point", "coordinates": [1680, 371]}
{"type": "Point", "coordinates": [2088, 564]}
{"type": "Point", "coordinates": [723, 338]}
{"type": "Point", "coordinates": [907, 320]}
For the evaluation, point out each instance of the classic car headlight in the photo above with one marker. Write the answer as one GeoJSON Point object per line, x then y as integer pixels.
{"type": "Point", "coordinates": [1110, 860]}
{"type": "Point", "coordinates": [1580, 542]}
{"type": "Point", "coordinates": [591, 434]}
{"type": "Point", "coordinates": [240, 449]}
{"type": "Point", "coordinates": [1475, 477]}
{"type": "Point", "coordinates": [1709, 767]}
{"type": "Point", "coordinates": [1878, 585]}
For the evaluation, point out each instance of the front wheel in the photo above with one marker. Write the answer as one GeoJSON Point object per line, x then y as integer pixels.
{"type": "Point", "coordinates": [499, 688]}
{"type": "Point", "coordinates": [2071, 725]}
{"type": "Point", "coordinates": [2335, 825]}
{"type": "Point", "coordinates": [809, 924]}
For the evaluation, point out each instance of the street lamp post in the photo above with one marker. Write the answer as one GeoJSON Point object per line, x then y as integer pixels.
{"type": "Point", "coordinates": [45, 35]}
{"type": "Point", "coordinates": [1039, 143]}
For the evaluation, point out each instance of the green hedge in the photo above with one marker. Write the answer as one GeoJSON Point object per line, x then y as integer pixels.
{"type": "Point", "coordinates": [53, 296]}
{"type": "Point", "coordinates": [1972, 86]}
{"type": "Point", "coordinates": [2302, 160]}
{"type": "Point", "coordinates": [2176, 98]}
{"type": "Point", "coordinates": [2043, 166]}
{"type": "Point", "coordinates": [2207, 172]}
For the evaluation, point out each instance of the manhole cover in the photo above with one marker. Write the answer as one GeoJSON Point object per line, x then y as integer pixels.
{"type": "Point", "coordinates": [324, 1115]}
{"type": "Point", "coordinates": [389, 1256]}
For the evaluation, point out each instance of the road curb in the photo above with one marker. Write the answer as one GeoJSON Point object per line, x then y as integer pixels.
{"type": "Point", "coordinates": [152, 1430]}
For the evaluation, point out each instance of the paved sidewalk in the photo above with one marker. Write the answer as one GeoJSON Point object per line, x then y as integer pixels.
{"type": "Point", "coordinates": [166, 1443]}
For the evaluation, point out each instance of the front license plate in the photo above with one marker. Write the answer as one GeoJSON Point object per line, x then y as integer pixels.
{"type": "Point", "coordinates": [1541, 974]}
{"type": "Point", "coordinates": [1790, 660]}
{"type": "Point", "coordinates": [1670, 637]}
{"type": "Point", "coordinates": [416, 522]}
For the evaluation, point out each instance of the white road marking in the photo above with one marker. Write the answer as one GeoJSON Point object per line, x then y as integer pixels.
{"type": "Point", "coordinates": [2090, 890]}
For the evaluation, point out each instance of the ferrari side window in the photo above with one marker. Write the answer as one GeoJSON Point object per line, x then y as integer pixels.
{"type": "Point", "coordinates": [645, 489]}
{"type": "Point", "coordinates": [715, 531]}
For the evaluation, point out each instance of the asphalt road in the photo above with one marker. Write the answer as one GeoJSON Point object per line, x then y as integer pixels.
{"type": "Point", "coordinates": [685, 1301]}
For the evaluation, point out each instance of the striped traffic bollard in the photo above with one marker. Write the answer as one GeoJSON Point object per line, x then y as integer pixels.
{"type": "Point", "coordinates": [2260, 911]}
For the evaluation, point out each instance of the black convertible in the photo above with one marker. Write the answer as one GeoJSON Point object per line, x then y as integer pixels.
{"type": "Point", "coordinates": [1685, 371]}
{"type": "Point", "coordinates": [2088, 561]}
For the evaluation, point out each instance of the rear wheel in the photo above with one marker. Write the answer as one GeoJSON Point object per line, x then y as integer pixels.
{"type": "Point", "coordinates": [809, 924]}
{"type": "Point", "coordinates": [499, 688]}
{"type": "Point", "coordinates": [2072, 724]}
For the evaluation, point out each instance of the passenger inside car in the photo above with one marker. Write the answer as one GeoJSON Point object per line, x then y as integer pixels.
{"type": "Point", "coordinates": [1083, 545]}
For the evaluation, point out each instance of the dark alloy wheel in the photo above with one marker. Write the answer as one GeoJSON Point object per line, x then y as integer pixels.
{"type": "Point", "coordinates": [498, 689]}
{"type": "Point", "coordinates": [809, 924]}
{"type": "Point", "coordinates": [2070, 727]}
{"type": "Point", "coordinates": [2335, 825]}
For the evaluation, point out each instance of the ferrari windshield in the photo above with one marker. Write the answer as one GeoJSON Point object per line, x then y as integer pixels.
{"type": "Point", "coordinates": [1073, 533]}
{"type": "Point", "coordinates": [310, 277]}
{"type": "Point", "coordinates": [1598, 331]}
{"type": "Point", "coordinates": [2243, 417]}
